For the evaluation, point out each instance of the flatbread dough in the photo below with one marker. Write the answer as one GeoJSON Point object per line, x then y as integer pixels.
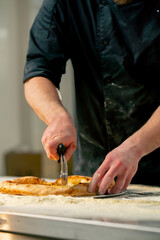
{"type": "Point", "coordinates": [34, 186]}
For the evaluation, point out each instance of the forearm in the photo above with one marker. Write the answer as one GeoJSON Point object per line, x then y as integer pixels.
{"type": "Point", "coordinates": [147, 138]}
{"type": "Point", "coordinates": [43, 97]}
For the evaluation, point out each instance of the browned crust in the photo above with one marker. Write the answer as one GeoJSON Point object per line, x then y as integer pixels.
{"type": "Point", "coordinates": [33, 186]}
{"type": "Point", "coordinates": [31, 180]}
{"type": "Point", "coordinates": [43, 190]}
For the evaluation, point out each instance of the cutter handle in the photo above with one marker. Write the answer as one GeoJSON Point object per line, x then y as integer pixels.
{"type": "Point", "coordinates": [61, 149]}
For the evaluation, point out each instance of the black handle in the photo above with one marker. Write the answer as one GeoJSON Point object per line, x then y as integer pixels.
{"type": "Point", "coordinates": [61, 149]}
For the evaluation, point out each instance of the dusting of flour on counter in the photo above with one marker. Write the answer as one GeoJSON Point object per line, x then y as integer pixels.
{"type": "Point", "coordinates": [132, 206]}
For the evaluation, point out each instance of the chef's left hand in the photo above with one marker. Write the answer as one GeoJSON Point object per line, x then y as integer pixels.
{"type": "Point", "coordinates": [122, 164]}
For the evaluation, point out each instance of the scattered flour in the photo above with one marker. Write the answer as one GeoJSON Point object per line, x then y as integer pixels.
{"type": "Point", "coordinates": [135, 209]}
{"type": "Point", "coordinates": [131, 207]}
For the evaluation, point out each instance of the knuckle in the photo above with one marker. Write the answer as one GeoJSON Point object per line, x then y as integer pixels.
{"type": "Point", "coordinates": [109, 178]}
{"type": "Point", "coordinates": [119, 163]}
{"type": "Point", "coordinates": [97, 174]}
{"type": "Point", "coordinates": [122, 165]}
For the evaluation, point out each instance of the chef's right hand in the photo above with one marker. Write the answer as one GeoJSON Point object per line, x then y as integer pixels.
{"type": "Point", "coordinates": [60, 130]}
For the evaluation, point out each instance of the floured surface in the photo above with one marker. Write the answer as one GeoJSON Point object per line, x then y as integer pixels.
{"type": "Point", "coordinates": [139, 203]}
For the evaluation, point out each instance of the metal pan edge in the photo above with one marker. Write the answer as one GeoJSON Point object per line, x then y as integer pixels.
{"type": "Point", "coordinates": [110, 195]}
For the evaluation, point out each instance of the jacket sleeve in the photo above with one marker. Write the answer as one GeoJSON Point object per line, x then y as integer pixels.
{"type": "Point", "coordinates": [47, 51]}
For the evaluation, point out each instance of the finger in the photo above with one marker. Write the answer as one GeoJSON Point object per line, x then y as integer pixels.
{"type": "Point", "coordinates": [127, 182]}
{"type": "Point", "coordinates": [51, 149]}
{"type": "Point", "coordinates": [104, 167]}
{"type": "Point", "coordinates": [107, 180]}
{"type": "Point", "coordinates": [100, 182]}
{"type": "Point", "coordinates": [97, 177]}
{"type": "Point", "coordinates": [70, 150]}
{"type": "Point", "coordinates": [118, 188]}
{"type": "Point", "coordinates": [51, 157]}
{"type": "Point", "coordinates": [94, 182]}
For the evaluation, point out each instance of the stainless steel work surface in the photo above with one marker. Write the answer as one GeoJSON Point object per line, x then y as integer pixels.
{"type": "Point", "coordinates": [135, 214]}
{"type": "Point", "coordinates": [69, 228]}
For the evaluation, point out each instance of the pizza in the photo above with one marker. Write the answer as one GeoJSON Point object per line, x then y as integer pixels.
{"type": "Point", "coordinates": [35, 186]}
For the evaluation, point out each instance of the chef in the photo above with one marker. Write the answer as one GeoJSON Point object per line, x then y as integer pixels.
{"type": "Point", "coordinates": [115, 52]}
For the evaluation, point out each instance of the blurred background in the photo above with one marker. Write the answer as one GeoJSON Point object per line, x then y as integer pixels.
{"type": "Point", "coordinates": [21, 151]}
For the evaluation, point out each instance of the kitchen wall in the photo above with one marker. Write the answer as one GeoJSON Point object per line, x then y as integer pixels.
{"type": "Point", "coordinates": [20, 129]}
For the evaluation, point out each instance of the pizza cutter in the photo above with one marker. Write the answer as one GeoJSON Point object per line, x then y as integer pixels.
{"type": "Point", "coordinates": [64, 167]}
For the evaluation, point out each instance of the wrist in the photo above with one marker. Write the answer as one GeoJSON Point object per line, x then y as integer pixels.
{"type": "Point", "coordinates": [134, 146]}
{"type": "Point", "coordinates": [58, 112]}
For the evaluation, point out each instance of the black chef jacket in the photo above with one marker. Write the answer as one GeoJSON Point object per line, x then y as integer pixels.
{"type": "Point", "coordinates": [115, 52]}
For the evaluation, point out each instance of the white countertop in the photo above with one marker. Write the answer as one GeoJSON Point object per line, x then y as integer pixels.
{"type": "Point", "coordinates": [139, 207]}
